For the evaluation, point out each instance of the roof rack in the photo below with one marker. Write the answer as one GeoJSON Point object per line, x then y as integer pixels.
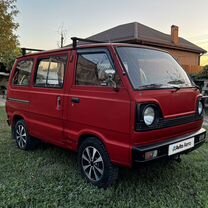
{"type": "Point", "coordinates": [76, 39]}
{"type": "Point", "coordinates": [25, 51]}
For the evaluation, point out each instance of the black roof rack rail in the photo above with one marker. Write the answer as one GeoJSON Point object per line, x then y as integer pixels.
{"type": "Point", "coordinates": [76, 39]}
{"type": "Point", "coordinates": [24, 50]}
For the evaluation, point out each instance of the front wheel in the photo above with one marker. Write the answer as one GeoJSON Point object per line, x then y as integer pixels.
{"type": "Point", "coordinates": [95, 163]}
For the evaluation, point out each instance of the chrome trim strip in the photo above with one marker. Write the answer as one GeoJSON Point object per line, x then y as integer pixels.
{"type": "Point", "coordinates": [18, 100]}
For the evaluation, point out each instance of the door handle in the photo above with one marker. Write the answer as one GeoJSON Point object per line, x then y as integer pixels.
{"type": "Point", "coordinates": [75, 100]}
{"type": "Point", "coordinates": [58, 103]}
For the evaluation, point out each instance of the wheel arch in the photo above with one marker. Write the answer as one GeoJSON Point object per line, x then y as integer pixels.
{"type": "Point", "coordinates": [16, 118]}
{"type": "Point", "coordinates": [114, 149]}
{"type": "Point", "coordinates": [85, 135]}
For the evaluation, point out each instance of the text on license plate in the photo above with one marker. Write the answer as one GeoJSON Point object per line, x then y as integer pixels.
{"type": "Point", "coordinates": [181, 146]}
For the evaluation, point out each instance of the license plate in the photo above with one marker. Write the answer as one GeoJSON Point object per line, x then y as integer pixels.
{"type": "Point", "coordinates": [181, 146]}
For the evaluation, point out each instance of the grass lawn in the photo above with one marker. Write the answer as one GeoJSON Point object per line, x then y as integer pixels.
{"type": "Point", "coordinates": [49, 177]}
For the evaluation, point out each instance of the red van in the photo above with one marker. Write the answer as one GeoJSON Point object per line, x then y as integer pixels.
{"type": "Point", "coordinates": [115, 104]}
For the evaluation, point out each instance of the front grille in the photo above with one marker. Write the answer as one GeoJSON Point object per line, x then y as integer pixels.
{"type": "Point", "coordinates": [165, 123]}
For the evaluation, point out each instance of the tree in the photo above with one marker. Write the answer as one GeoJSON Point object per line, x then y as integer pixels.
{"type": "Point", "coordinates": [63, 36]}
{"type": "Point", "coordinates": [8, 39]}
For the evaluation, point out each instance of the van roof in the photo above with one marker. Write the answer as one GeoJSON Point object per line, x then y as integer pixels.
{"type": "Point", "coordinates": [91, 45]}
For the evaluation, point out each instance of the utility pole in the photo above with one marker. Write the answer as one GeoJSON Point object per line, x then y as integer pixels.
{"type": "Point", "coordinates": [62, 36]}
{"type": "Point", "coordinates": [62, 40]}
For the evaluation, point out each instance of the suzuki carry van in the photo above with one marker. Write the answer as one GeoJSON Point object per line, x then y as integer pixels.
{"type": "Point", "coordinates": [114, 104]}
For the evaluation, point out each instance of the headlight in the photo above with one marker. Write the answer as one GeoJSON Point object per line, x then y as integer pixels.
{"type": "Point", "coordinates": [149, 115]}
{"type": "Point", "coordinates": [200, 107]}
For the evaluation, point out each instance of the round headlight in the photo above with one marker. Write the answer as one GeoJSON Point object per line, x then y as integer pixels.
{"type": "Point", "coordinates": [200, 108]}
{"type": "Point", "coordinates": [149, 115]}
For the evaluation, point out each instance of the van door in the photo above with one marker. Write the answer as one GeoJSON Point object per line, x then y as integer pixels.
{"type": "Point", "coordinates": [94, 106]}
{"type": "Point", "coordinates": [18, 97]}
{"type": "Point", "coordinates": [46, 119]}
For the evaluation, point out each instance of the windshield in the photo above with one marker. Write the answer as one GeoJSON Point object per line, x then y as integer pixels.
{"type": "Point", "coordinates": [148, 68]}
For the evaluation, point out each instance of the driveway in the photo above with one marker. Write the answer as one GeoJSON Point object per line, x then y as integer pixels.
{"type": "Point", "coordinates": [2, 101]}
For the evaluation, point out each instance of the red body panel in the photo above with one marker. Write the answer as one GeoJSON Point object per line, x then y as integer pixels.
{"type": "Point", "coordinates": [105, 113]}
{"type": "Point", "coordinates": [102, 112]}
{"type": "Point", "coordinates": [173, 102]}
{"type": "Point", "coordinates": [44, 114]}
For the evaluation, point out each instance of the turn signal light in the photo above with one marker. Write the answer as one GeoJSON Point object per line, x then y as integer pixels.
{"type": "Point", "coordinates": [151, 155]}
{"type": "Point", "coordinates": [202, 137]}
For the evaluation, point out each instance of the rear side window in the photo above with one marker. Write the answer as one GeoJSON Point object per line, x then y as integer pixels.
{"type": "Point", "coordinates": [50, 72]}
{"type": "Point", "coordinates": [95, 69]}
{"type": "Point", "coordinates": [23, 73]}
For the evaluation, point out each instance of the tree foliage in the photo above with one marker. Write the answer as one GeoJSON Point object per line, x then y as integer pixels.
{"type": "Point", "coordinates": [8, 39]}
{"type": "Point", "coordinates": [204, 73]}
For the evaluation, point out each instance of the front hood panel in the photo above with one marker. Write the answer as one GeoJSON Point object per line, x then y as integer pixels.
{"type": "Point", "coordinates": [174, 106]}
{"type": "Point", "coordinates": [173, 103]}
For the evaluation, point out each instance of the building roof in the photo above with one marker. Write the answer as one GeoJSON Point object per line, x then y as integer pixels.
{"type": "Point", "coordinates": [138, 33]}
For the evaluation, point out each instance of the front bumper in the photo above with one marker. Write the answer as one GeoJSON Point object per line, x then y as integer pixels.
{"type": "Point", "coordinates": [162, 148]}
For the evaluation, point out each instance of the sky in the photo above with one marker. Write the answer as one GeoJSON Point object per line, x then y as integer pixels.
{"type": "Point", "coordinates": [41, 21]}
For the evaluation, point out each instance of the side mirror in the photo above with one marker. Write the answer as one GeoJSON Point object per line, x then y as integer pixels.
{"type": "Point", "coordinates": [108, 76]}
{"type": "Point", "coordinates": [111, 79]}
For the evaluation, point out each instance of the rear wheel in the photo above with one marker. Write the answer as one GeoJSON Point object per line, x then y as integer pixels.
{"type": "Point", "coordinates": [95, 163]}
{"type": "Point", "coordinates": [22, 137]}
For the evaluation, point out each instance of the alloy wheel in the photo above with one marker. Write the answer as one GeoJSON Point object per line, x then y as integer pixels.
{"type": "Point", "coordinates": [21, 136]}
{"type": "Point", "coordinates": [92, 163]}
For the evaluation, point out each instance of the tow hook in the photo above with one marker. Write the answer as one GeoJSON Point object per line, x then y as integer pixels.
{"type": "Point", "coordinates": [177, 158]}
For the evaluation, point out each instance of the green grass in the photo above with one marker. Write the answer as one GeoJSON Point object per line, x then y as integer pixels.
{"type": "Point", "coordinates": [49, 177]}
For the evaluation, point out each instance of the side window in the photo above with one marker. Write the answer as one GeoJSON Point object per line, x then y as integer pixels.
{"type": "Point", "coordinates": [50, 72]}
{"type": "Point", "coordinates": [23, 73]}
{"type": "Point", "coordinates": [42, 72]}
{"type": "Point", "coordinates": [95, 69]}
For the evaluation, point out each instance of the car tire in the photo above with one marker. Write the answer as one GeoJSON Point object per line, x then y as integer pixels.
{"type": "Point", "coordinates": [23, 140]}
{"type": "Point", "coordinates": [95, 164]}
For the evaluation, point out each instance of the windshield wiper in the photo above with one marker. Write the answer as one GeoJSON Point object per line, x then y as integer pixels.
{"type": "Point", "coordinates": [177, 81]}
{"type": "Point", "coordinates": [177, 87]}
{"type": "Point", "coordinates": [151, 86]}
{"type": "Point", "coordinates": [159, 86]}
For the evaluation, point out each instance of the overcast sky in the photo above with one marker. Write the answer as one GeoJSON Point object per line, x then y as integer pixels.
{"type": "Point", "coordinates": [41, 20]}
